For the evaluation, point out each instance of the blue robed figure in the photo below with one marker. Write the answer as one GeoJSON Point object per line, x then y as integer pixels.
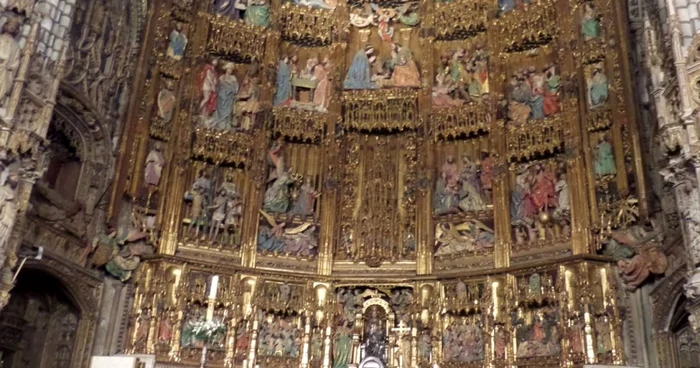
{"type": "Point", "coordinates": [359, 75]}
{"type": "Point", "coordinates": [283, 82]}
{"type": "Point", "coordinates": [177, 44]}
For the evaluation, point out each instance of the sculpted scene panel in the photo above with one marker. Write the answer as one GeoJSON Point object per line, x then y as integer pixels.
{"type": "Point", "coordinates": [383, 43]}
{"type": "Point", "coordinates": [228, 95]}
{"type": "Point", "coordinates": [540, 207]}
{"type": "Point", "coordinates": [304, 77]}
{"type": "Point", "coordinates": [289, 214]}
{"type": "Point", "coordinates": [462, 202]}
{"type": "Point", "coordinates": [462, 73]}
{"type": "Point", "coordinates": [213, 206]}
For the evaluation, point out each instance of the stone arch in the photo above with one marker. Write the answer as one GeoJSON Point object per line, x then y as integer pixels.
{"type": "Point", "coordinates": [84, 289]}
{"type": "Point", "coordinates": [71, 311]}
{"type": "Point", "coordinates": [666, 298]}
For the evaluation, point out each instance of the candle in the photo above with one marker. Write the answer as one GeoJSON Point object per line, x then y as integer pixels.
{"type": "Point", "coordinates": [214, 285]}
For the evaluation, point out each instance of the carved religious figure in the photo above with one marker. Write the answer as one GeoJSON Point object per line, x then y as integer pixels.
{"type": "Point", "coordinates": [375, 333]}
{"type": "Point", "coordinates": [166, 101]}
{"type": "Point", "coordinates": [9, 56]}
{"type": "Point", "coordinates": [177, 44]}
{"type": "Point", "coordinates": [154, 165]}
{"type": "Point", "coordinates": [257, 13]}
{"type": "Point", "coordinates": [208, 81]}
{"type": "Point", "coordinates": [590, 24]}
{"type": "Point", "coordinates": [342, 347]}
{"type": "Point", "coordinates": [604, 159]}
{"type": "Point", "coordinates": [597, 87]}
{"type": "Point", "coordinates": [226, 91]}
{"type": "Point", "coordinates": [359, 75]}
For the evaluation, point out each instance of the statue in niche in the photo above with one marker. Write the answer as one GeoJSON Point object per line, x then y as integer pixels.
{"type": "Point", "coordinates": [342, 347]}
{"type": "Point", "coordinates": [226, 91]}
{"type": "Point", "coordinates": [306, 199]}
{"type": "Point", "coordinates": [208, 81]}
{"type": "Point", "coordinates": [500, 342]}
{"type": "Point", "coordinates": [359, 75]}
{"type": "Point", "coordinates": [178, 43]}
{"type": "Point", "coordinates": [404, 69]}
{"type": "Point", "coordinates": [442, 90]}
{"type": "Point", "coordinates": [375, 334]}
{"type": "Point", "coordinates": [232, 9]}
{"type": "Point", "coordinates": [424, 347]}
{"type": "Point", "coordinates": [242, 343]}
{"type": "Point", "coordinates": [552, 81]}
{"type": "Point", "coordinates": [590, 24]}
{"type": "Point", "coordinates": [154, 165]}
{"type": "Point", "coordinates": [316, 347]}
{"type": "Point", "coordinates": [283, 94]}
{"type": "Point", "coordinates": [9, 56]}
{"type": "Point", "coordinates": [277, 195]}
{"type": "Point", "coordinates": [166, 101]}
{"type": "Point", "coordinates": [257, 13]}
{"type": "Point", "coordinates": [597, 87]}
{"type": "Point", "coordinates": [165, 328]}
{"type": "Point", "coordinates": [603, 335]}
{"type": "Point", "coordinates": [575, 338]}
{"type": "Point", "coordinates": [604, 159]}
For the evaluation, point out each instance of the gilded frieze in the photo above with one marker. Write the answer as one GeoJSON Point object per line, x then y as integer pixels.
{"type": "Point", "coordinates": [240, 40]}
{"type": "Point", "coordinates": [391, 110]}
{"type": "Point", "coordinates": [525, 26]}
{"type": "Point", "coordinates": [461, 19]}
{"type": "Point", "coordinates": [308, 25]}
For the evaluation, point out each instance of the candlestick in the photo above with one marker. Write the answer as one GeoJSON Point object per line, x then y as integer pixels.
{"type": "Point", "coordinates": [214, 286]}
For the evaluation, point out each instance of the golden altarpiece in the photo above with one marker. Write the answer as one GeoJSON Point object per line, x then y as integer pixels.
{"type": "Point", "coordinates": [389, 183]}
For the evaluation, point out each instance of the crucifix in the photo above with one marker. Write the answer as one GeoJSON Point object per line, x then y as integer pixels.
{"type": "Point", "coordinates": [403, 346]}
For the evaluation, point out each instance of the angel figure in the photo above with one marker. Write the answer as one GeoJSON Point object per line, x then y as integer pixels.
{"type": "Point", "coordinates": [384, 18]}
{"type": "Point", "coordinates": [362, 17]}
